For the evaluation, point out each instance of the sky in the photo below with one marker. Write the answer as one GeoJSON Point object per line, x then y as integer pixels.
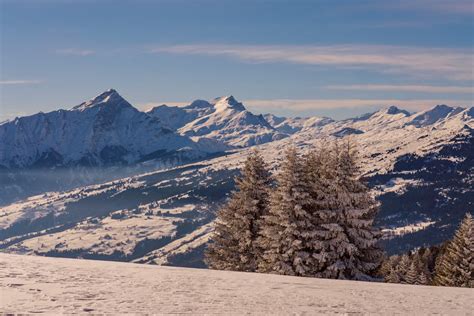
{"type": "Point", "coordinates": [288, 57]}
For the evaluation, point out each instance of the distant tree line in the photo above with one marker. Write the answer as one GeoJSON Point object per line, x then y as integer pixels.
{"type": "Point", "coordinates": [451, 264]}
{"type": "Point", "coordinates": [315, 219]}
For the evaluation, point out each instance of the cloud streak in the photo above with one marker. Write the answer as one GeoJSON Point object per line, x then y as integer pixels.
{"type": "Point", "coordinates": [417, 62]}
{"type": "Point", "coordinates": [75, 52]}
{"type": "Point", "coordinates": [403, 88]}
{"type": "Point", "coordinates": [300, 105]}
{"type": "Point", "coordinates": [462, 7]}
{"type": "Point", "coordinates": [327, 104]}
{"type": "Point", "coordinates": [19, 82]}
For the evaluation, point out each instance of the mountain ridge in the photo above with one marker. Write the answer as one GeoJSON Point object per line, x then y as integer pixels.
{"type": "Point", "coordinates": [173, 209]}
{"type": "Point", "coordinates": [104, 130]}
{"type": "Point", "coordinates": [201, 127]}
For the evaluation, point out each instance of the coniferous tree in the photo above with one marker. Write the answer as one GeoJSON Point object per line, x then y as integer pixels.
{"type": "Point", "coordinates": [403, 267]}
{"type": "Point", "coordinates": [455, 267]}
{"type": "Point", "coordinates": [318, 221]}
{"type": "Point", "coordinates": [415, 267]}
{"type": "Point", "coordinates": [362, 257]}
{"type": "Point", "coordinates": [288, 231]}
{"type": "Point", "coordinates": [428, 258]}
{"type": "Point", "coordinates": [331, 242]}
{"type": "Point", "coordinates": [234, 243]}
{"type": "Point", "coordinates": [411, 276]}
{"type": "Point", "coordinates": [386, 267]}
{"type": "Point", "coordinates": [223, 251]}
{"type": "Point", "coordinates": [393, 276]}
{"type": "Point", "coordinates": [423, 279]}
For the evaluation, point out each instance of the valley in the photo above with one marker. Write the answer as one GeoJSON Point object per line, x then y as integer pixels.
{"type": "Point", "coordinates": [160, 209]}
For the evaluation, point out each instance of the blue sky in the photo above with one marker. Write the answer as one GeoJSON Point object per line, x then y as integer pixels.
{"type": "Point", "coordinates": [309, 57]}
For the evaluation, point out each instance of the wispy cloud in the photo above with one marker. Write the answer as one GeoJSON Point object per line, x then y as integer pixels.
{"type": "Point", "coordinates": [464, 7]}
{"type": "Point", "coordinates": [75, 52]}
{"type": "Point", "coordinates": [327, 104]}
{"type": "Point", "coordinates": [301, 105]}
{"type": "Point", "coordinates": [19, 82]}
{"type": "Point", "coordinates": [455, 64]}
{"type": "Point", "coordinates": [403, 88]}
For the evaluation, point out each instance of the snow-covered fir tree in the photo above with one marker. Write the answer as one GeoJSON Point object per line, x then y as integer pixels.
{"type": "Point", "coordinates": [385, 268]}
{"type": "Point", "coordinates": [330, 242]}
{"type": "Point", "coordinates": [288, 231]}
{"type": "Point", "coordinates": [362, 257]}
{"type": "Point", "coordinates": [392, 276]}
{"type": "Point", "coordinates": [423, 279]}
{"type": "Point", "coordinates": [411, 277]}
{"type": "Point", "coordinates": [320, 220]}
{"type": "Point", "coordinates": [455, 267]}
{"type": "Point", "coordinates": [403, 267]}
{"type": "Point", "coordinates": [415, 267]}
{"type": "Point", "coordinates": [234, 242]}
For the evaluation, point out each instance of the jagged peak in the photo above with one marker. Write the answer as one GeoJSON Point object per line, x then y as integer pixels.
{"type": "Point", "coordinates": [157, 107]}
{"type": "Point", "coordinates": [442, 107]}
{"type": "Point", "coordinates": [199, 104]}
{"type": "Point", "coordinates": [231, 100]}
{"type": "Point", "coordinates": [227, 102]}
{"type": "Point", "coordinates": [435, 114]}
{"type": "Point", "coordinates": [441, 110]}
{"type": "Point", "coordinates": [392, 110]}
{"type": "Point", "coordinates": [110, 96]}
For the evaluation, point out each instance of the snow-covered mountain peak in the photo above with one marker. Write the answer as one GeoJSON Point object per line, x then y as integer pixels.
{"type": "Point", "coordinates": [156, 108]}
{"type": "Point", "coordinates": [391, 117]}
{"type": "Point", "coordinates": [228, 102]}
{"type": "Point", "coordinates": [199, 104]}
{"type": "Point", "coordinates": [435, 114]}
{"type": "Point", "coordinates": [392, 110]}
{"type": "Point", "coordinates": [291, 125]}
{"type": "Point", "coordinates": [109, 97]}
{"type": "Point", "coordinates": [105, 130]}
{"type": "Point", "coordinates": [228, 121]}
{"type": "Point", "coordinates": [441, 107]}
{"type": "Point", "coordinates": [386, 114]}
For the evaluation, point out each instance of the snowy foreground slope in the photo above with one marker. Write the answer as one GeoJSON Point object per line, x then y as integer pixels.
{"type": "Point", "coordinates": [51, 285]}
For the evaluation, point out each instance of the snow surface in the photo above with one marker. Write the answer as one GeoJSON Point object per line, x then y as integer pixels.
{"type": "Point", "coordinates": [407, 229]}
{"type": "Point", "coordinates": [103, 236]}
{"type": "Point", "coordinates": [63, 286]}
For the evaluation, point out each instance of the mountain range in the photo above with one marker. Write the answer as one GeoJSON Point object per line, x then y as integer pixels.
{"type": "Point", "coordinates": [104, 180]}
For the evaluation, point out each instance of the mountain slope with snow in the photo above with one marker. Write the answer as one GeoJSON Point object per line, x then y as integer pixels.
{"type": "Point", "coordinates": [436, 114]}
{"type": "Point", "coordinates": [103, 131]}
{"type": "Point", "coordinates": [175, 117]}
{"type": "Point", "coordinates": [224, 119]}
{"type": "Point", "coordinates": [420, 167]}
{"type": "Point", "coordinates": [290, 125]}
